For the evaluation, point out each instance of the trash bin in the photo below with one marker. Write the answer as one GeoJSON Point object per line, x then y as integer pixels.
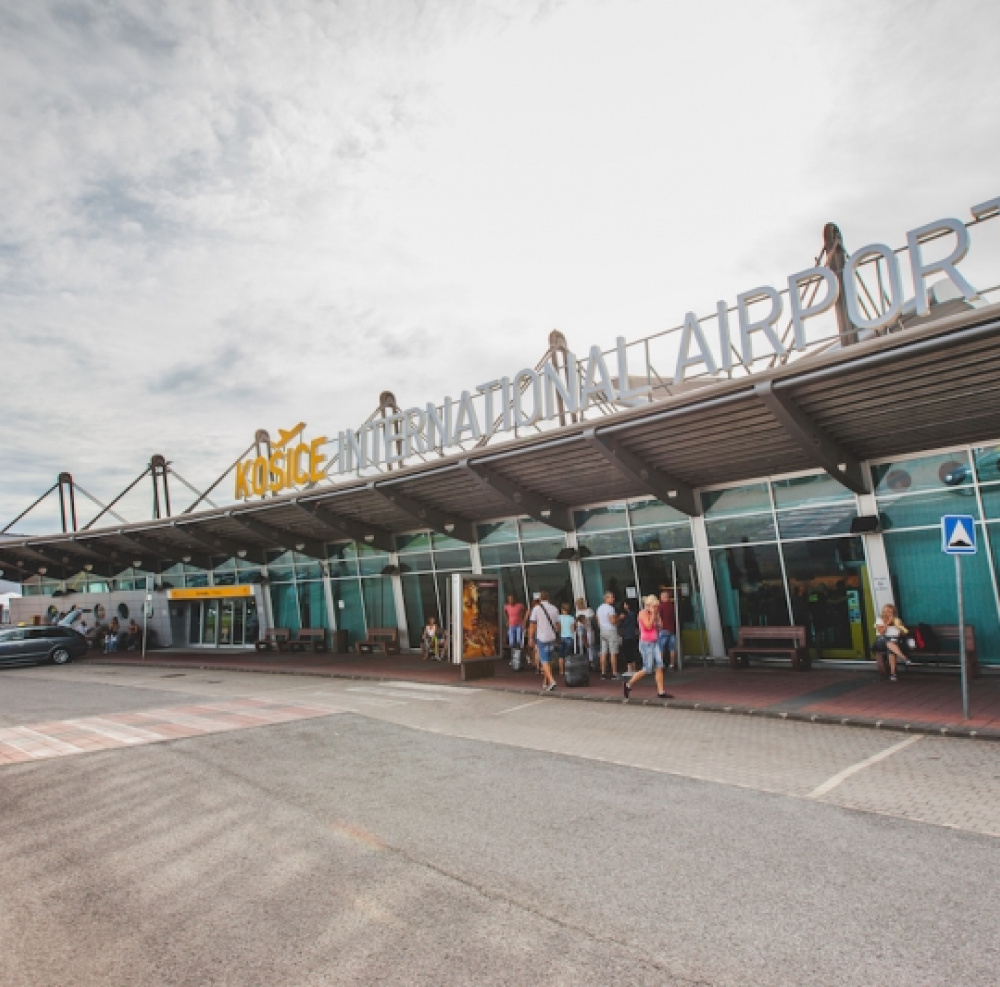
{"type": "Point", "coordinates": [340, 642]}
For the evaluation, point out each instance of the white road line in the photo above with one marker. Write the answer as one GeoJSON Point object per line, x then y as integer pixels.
{"type": "Point", "coordinates": [451, 690]}
{"type": "Point", "coordinates": [842, 776]}
{"type": "Point", "coordinates": [522, 706]}
{"type": "Point", "coordinates": [398, 695]}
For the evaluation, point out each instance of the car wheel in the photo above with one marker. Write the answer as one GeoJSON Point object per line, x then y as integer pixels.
{"type": "Point", "coordinates": [60, 656]}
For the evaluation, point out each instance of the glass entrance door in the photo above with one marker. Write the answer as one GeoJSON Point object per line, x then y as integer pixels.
{"type": "Point", "coordinates": [827, 583]}
{"type": "Point", "coordinates": [210, 627]}
{"type": "Point", "coordinates": [227, 621]}
{"type": "Point", "coordinates": [223, 623]}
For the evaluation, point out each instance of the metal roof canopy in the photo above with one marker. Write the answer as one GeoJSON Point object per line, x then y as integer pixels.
{"type": "Point", "coordinates": [921, 388]}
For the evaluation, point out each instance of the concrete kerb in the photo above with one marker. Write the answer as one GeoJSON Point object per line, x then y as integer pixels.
{"type": "Point", "coordinates": [827, 719]}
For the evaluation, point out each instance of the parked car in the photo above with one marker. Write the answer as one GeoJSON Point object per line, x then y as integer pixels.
{"type": "Point", "coordinates": [34, 645]}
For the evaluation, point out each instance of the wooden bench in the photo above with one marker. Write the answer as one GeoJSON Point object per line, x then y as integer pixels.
{"type": "Point", "coordinates": [947, 652]}
{"type": "Point", "coordinates": [275, 637]}
{"type": "Point", "coordinates": [380, 639]}
{"type": "Point", "coordinates": [314, 637]}
{"type": "Point", "coordinates": [787, 642]}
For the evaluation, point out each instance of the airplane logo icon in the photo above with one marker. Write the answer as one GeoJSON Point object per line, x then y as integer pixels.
{"type": "Point", "coordinates": [286, 437]}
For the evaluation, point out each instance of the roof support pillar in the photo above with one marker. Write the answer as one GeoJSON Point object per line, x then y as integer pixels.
{"type": "Point", "coordinates": [428, 516]}
{"type": "Point", "coordinates": [520, 499]}
{"type": "Point", "coordinates": [838, 462]}
{"type": "Point", "coordinates": [668, 489]}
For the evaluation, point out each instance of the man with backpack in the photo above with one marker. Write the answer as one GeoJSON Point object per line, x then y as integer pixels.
{"type": "Point", "coordinates": [543, 633]}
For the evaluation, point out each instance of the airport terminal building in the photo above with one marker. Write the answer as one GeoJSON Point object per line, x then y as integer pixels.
{"type": "Point", "coordinates": [785, 460]}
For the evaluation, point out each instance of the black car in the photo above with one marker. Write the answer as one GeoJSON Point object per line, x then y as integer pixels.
{"type": "Point", "coordinates": [33, 645]}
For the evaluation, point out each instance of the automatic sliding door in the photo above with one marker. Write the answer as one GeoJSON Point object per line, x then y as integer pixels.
{"type": "Point", "coordinates": [210, 632]}
{"type": "Point", "coordinates": [194, 623]}
{"type": "Point", "coordinates": [226, 620]}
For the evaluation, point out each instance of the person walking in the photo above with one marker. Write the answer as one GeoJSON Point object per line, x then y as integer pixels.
{"type": "Point", "coordinates": [514, 611]}
{"type": "Point", "coordinates": [543, 634]}
{"type": "Point", "coordinates": [649, 648]}
{"type": "Point", "coordinates": [607, 622]}
{"type": "Point", "coordinates": [628, 629]}
{"type": "Point", "coordinates": [668, 627]}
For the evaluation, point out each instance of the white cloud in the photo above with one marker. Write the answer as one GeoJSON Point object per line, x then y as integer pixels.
{"type": "Point", "coordinates": [221, 216]}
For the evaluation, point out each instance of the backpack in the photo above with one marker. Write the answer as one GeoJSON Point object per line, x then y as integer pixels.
{"type": "Point", "coordinates": [925, 637]}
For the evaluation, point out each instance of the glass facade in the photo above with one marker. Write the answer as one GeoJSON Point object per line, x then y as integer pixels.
{"type": "Point", "coordinates": [525, 555]}
{"type": "Point", "coordinates": [636, 549]}
{"type": "Point", "coordinates": [781, 554]}
{"type": "Point", "coordinates": [912, 495]}
{"type": "Point", "coordinates": [361, 588]}
{"type": "Point", "coordinates": [778, 550]}
{"type": "Point", "coordinates": [426, 559]}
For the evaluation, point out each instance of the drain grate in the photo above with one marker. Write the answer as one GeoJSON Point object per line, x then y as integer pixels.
{"type": "Point", "coordinates": [174, 675]}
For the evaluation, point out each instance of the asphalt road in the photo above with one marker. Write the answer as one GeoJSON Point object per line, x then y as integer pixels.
{"type": "Point", "coordinates": [355, 850]}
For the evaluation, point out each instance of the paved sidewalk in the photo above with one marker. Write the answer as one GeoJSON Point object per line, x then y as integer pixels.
{"type": "Point", "coordinates": [921, 701]}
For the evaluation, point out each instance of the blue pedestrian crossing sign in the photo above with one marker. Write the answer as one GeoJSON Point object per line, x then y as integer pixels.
{"type": "Point", "coordinates": [958, 534]}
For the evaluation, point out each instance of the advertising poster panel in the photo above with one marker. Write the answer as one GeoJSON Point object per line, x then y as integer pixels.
{"type": "Point", "coordinates": [475, 617]}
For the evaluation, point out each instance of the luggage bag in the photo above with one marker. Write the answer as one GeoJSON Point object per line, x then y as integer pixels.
{"type": "Point", "coordinates": [577, 670]}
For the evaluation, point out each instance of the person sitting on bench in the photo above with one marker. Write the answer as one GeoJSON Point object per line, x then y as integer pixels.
{"type": "Point", "coordinates": [430, 643]}
{"type": "Point", "coordinates": [889, 630]}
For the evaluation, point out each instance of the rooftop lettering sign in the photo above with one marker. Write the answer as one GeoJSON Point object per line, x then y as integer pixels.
{"type": "Point", "coordinates": [766, 324]}
{"type": "Point", "coordinates": [755, 334]}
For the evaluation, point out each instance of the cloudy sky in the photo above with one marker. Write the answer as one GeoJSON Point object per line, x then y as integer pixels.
{"type": "Point", "coordinates": [217, 216]}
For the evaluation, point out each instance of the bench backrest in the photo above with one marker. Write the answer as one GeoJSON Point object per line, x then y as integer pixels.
{"type": "Point", "coordinates": [383, 634]}
{"type": "Point", "coordinates": [949, 633]}
{"type": "Point", "coordinates": [797, 635]}
{"type": "Point", "coordinates": [277, 633]}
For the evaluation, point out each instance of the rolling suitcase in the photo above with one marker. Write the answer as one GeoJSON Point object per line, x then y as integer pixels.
{"type": "Point", "coordinates": [577, 670]}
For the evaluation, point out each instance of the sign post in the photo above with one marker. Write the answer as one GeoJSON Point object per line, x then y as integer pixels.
{"type": "Point", "coordinates": [958, 538]}
{"type": "Point", "coordinates": [677, 621]}
{"type": "Point", "coordinates": [147, 603]}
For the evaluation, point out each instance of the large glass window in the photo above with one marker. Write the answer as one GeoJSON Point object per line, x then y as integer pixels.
{"type": "Point", "coordinates": [750, 585]}
{"type": "Point", "coordinates": [426, 559]}
{"type": "Point", "coordinates": [347, 604]}
{"type": "Point", "coordinates": [782, 554]}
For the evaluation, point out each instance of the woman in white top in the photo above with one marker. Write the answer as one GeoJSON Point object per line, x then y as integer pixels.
{"type": "Point", "coordinates": [889, 630]}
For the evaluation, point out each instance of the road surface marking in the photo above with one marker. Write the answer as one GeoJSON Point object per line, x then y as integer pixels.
{"type": "Point", "coordinates": [451, 690]}
{"type": "Point", "coordinates": [513, 709]}
{"type": "Point", "coordinates": [842, 776]}
{"type": "Point", "coordinates": [116, 730]}
{"type": "Point", "coordinates": [376, 691]}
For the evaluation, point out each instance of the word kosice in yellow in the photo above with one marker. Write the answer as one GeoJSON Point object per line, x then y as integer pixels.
{"type": "Point", "coordinates": [289, 466]}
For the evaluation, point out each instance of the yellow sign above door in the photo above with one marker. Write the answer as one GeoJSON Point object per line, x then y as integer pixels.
{"type": "Point", "coordinates": [209, 592]}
